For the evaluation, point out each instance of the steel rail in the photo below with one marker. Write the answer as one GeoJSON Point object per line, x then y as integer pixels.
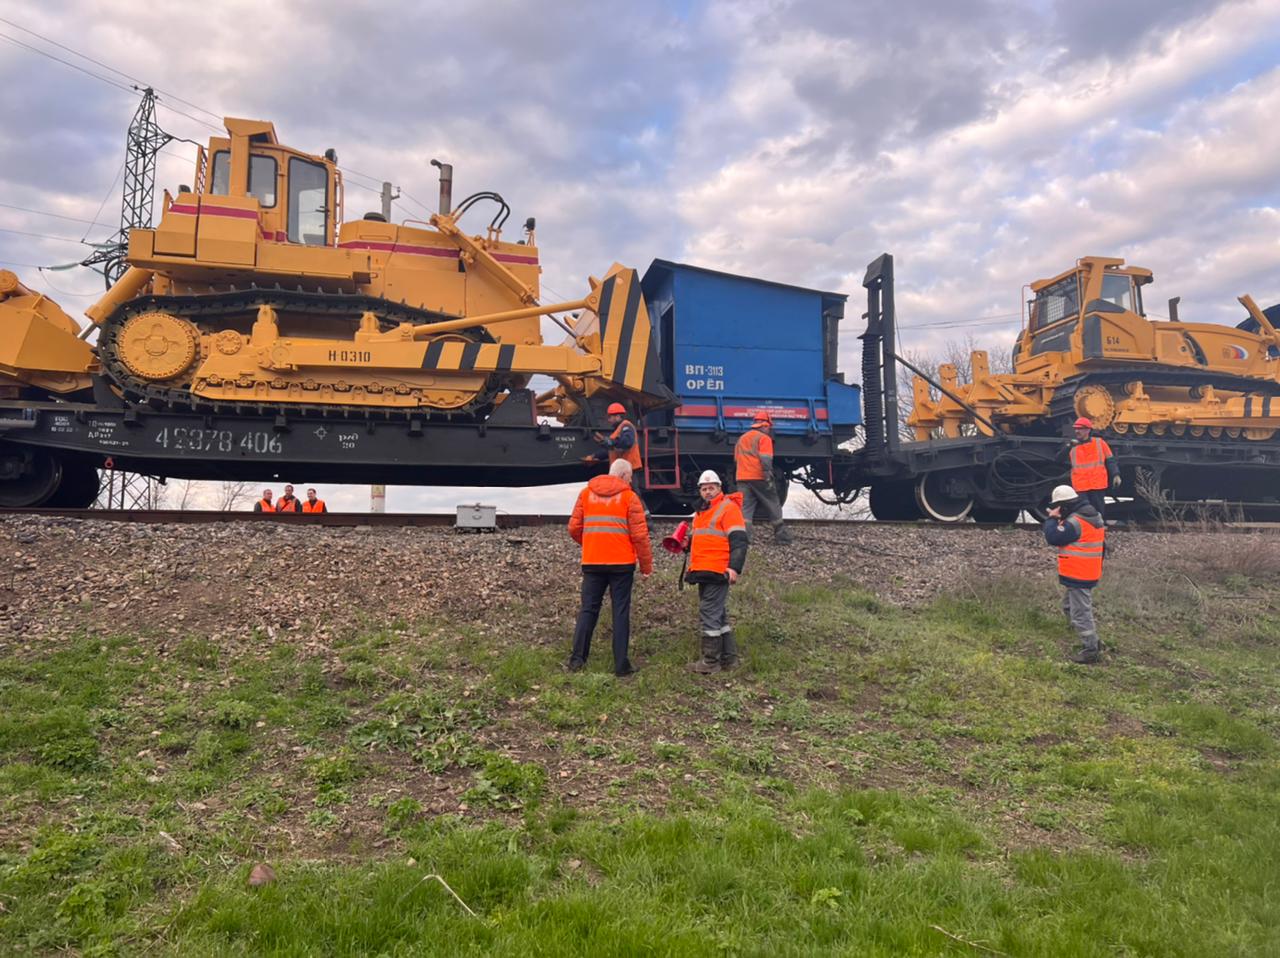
{"type": "Point", "coordinates": [525, 520]}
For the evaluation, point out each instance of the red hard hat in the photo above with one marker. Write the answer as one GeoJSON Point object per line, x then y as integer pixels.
{"type": "Point", "coordinates": [616, 409]}
{"type": "Point", "coordinates": [1084, 423]}
{"type": "Point", "coordinates": [763, 416]}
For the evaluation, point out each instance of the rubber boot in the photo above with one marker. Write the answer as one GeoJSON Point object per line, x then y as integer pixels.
{"type": "Point", "coordinates": [781, 536]}
{"type": "Point", "coordinates": [728, 652]}
{"type": "Point", "coordinates": [709, 664]}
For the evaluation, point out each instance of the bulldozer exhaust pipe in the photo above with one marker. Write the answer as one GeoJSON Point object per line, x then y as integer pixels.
{"type": "Point", "coordinates": [446, 186]}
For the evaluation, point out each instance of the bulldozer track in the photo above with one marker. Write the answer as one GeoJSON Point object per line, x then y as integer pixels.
{"type": "Point", "coordinates": [1062, 406]}
{"type": "Point", "coordinates": [237, 302]}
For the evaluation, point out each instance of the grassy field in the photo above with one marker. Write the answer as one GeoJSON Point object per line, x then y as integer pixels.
{"type": "Point", "coordinates": [874, 781]}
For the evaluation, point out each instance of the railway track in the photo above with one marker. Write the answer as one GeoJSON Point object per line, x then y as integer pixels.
{"type": "Point", "coordinates": [527, 520]}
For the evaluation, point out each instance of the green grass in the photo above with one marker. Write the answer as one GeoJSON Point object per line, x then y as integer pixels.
{"type": "Point", "coordinates": [875, 781]}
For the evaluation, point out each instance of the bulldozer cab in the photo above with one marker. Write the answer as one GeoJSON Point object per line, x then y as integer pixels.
{"type": "Point", "coordinates": [1062, 307]}
{"type": "Point", "coordinates": [299, 195]}
{"type": "Point", "coordinates": [1094, 280]}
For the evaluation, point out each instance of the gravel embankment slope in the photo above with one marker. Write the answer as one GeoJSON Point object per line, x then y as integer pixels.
{"type": "Point", "coordinates": [246, 582]}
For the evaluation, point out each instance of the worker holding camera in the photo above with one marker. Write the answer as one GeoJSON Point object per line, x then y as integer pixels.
{"type": "Point", "coordinates": [717, 545]}
{"type": "Point", "coordinates": [1076, 528]}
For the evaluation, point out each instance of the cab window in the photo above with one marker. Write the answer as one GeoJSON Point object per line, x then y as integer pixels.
{"type": "Point", "coordinates": [262, 177]}
{"type": "Point", "coordinates": [220, 182]}
{"type": "Point", "coordinates": [308, 202]}
{"type": "Point", "coordinates": [1118, 290]}
{"type": "Point", "coordinates": [1059, 301]}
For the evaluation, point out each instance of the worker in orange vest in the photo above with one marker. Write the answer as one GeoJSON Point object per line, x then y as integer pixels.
{"type": "Point", "coordinates": [288, 502]}
{"type": "Point", "coordinates": [312, 504]}
{"type": "Point", "coordinates": [608, 522]}
{"type": "Point", "coordinates": [753, 464]}
{"type": "Point", "coordinates": [1077, 529]}
{"type": "Point", "coordinates": [717, 552]}
{"type": "Point", "coordinates": [264, 504]}
{"type": "Point", "coordinates": [1093, 465]}
{"type": "Point", "coordinates": [621, 443]}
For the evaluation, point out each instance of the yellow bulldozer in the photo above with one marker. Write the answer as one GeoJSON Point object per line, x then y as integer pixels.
{"type": "Point", "coordinates": [251, 291]}
{"type": "Point", "coordinates": [1088, 349]}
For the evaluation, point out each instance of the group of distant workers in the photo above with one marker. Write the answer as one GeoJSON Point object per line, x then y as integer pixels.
{"type": "Point", "coordinates": [609, 523]}
{"type": "Point", "coordinates": [288, 502]}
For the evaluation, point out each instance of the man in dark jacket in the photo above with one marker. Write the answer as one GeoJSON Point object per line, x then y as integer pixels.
{"type": "Point", "coordinates": [1077, 529]}
{"type": "Point", "coordinates": [717, 552]}
{"type": "Point", "coordinates": [608, 522]}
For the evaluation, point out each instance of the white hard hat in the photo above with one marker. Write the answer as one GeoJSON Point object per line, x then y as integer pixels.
{"type": "Point", "coordinates": [1063, 494]}
{"type": "Point", "coordinates": [709, 476]}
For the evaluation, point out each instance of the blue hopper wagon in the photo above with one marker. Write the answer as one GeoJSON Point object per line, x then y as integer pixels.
{"type": "Point", "coordinates": [731, 346]}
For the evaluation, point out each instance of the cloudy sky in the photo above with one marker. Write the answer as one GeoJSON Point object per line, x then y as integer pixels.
{"type": "Point", "coordinates": [985, 144]}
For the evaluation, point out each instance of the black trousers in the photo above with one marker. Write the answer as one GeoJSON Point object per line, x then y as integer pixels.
{"type": "Point", "coordinates": [594, 585]}
{"type": "Point", "coordinates": [1098, 499]}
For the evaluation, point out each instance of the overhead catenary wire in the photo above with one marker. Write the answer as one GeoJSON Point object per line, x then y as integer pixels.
{"type": "Point", "coordinates": [130, 89]}
{"type": "Point", "coordinates": [136, 84]}
{"type": "Point", "coordinates": [43, 236]}
{"type": "Point", "coordinates": [110, 189]}
{"type": "Point", "coordinates": [74, 66]}
{"type": "Point", "coordinates": [988, 320]}
{"type": "Point", "coordinates": [44, 277]}
{"type": "Point", "coordinates": [162, 94]}
{"type": "Point", "coordinates": [409, 196]}
{"type": "Point", "coordinates": [52, 215]}
{"type": "Point", "coordinates": [105, 66]}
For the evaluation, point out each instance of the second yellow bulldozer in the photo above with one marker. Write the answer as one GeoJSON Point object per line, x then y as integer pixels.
{"type": "Point", "coordinates": [1088, 349]}
{"type": "Point", "coordinates": [251, 290]}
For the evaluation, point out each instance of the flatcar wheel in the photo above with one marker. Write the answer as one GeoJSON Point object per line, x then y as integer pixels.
{"type": "Point", "coordinates": [78, 488]}
{"type": "Point", "coordinates": [29, 480]}
{"type": "Point", "coordinates": [944, 496]}
{"type": "Point", "coordinates": [894, 501]}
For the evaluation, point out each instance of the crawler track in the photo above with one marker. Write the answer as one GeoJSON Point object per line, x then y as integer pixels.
{"type": "Point", "coordinates": [212, 312]}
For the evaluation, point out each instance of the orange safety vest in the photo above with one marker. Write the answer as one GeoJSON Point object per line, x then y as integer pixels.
{"type": "Point", "coordinates": [287, 505]}
{"type": "Point", "coordinates": [1082, 560]}
{"type": "Point", "coordinates": [266, 505]}
{"type": "Point", "coordinates": [1089, 465]}
{"type": "Point", "coordinates": [632, 455]}
{"type": "Point", "coordinates": [606, 533]}
{"type": "Point", "coordinates": [747, 453]}
{"type": "Point", "coordinates": [318, 507]}
{"type": "Point", "coordinates": [709, 548]}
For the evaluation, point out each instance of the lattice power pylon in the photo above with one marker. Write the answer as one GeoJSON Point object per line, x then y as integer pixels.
{"type": "Point", "coordinates": [144, 141]}
{"type": "Point", "coordinates": [126, 490]}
